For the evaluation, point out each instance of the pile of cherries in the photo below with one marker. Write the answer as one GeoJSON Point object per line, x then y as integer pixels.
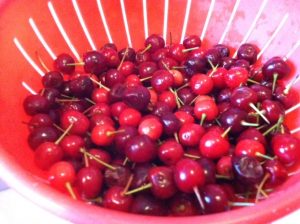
{"type": "Point", "coordinates": [173, 130]}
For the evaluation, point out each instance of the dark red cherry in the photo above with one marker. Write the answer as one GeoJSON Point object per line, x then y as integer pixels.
{"type": "Point", "coordinates": [161, 108]}
{"type": "Point", "coordinates": [162, 80]}
{"type": "Point", "coordinates": [137, 97]}
{"type": "Point", "coordinates": [111, 56]}
{"type": "Point", "coordinates": [122, 137]}
{"type": "Point", "coordinates": [253, 134]}
{"type": "Point", "coordinates": [233, 117]}
{"type": "Point", "coordinates": [94, 62]}
{"type": "Point", "coordinates": [194, 65]}
{"type": "Point", "coordinates": [89, 181]}
{"type": "Point", "coordinates": [116, 93]}
{"type": "Point", "coordinates": [224, 166]}
{"type": "Point", "coordinates": [224, 95]}
{"type": "Point", "coordinates": [162, 182]}
{"type": "Point", "coordinates": [81, 86]}
{"type": "Point", "coordinates": [213, 57]}
{"type": "Point", "coordinates": [34, 104]}
{"type": "Point", "coordinates": [209, 169]}
{"type": "Point", "coordinates": [117, 177]}
{"type": "Point", "coordinates": [140, 175]}
{"type": "Point", "coordinates": [100, 154]}
{"type": "Point", "coordinates": [53, 79]}
{"type": "Point", "coordinates": [275, 65]}
{"type": "Point", "coordinates": [129, 54]}
{"type": "Point", "coordinates": [140, 149]}
{"type": "Point", "coordinates": [227, 62]}
{"type": "Point", "coordinates": [192, 41]}
{"type": "Point", "coordinates": [288, 98]}
{"type": "Point", "coordinates": [241, 63]}
{"type": "Point", "coordinates": [170, 123]}
{"type": "Point", "coordinates": [277, 171]}
{"type": "Point", "coordinates": [183, 205]}
{"type": "Point", "coordinates": [215, 199]}
{"type": "Point", "coordinates": [247, 170]}
{"type": "Point", "coordinates": [273, 110]}
{"type": "Point", "coordinates": [159, 54]}
{"type": "Point", "coordinates": [170, 152]}
{"type": "Point", "coordinates": [61, 63]}
{"type": "Point", "coordinates": [186, 95]}
{"type": "Point", "coordinates": [242, 97]}
{"type": "Point", "coordinates": [39, 120]}
{"type": "Point", "coordinates": [263, 92]}
{"type": "Point", "coordinates": [224, 51]}
{"type": "Point", "coordinates": [146, 204]}
{"type": "Point", "coordinates": [115, 199]}
{"type": "Point", "coordinates": [142, 56]}
{"type": "Point", "coordinates": [109, 45]}
{"type": "Point", "coordinates": [146, 69]}
{"type": "Point", "coordinates": [188, 174]}
{"type": "Point", "coordinates": [155, 41]}
{"type": "Point", "coordinates": [42, 134]}
{"type": "Point", "coordinates": [247, 52]}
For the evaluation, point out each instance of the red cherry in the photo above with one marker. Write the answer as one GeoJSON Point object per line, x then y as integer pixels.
{"type": "Point", "coordinates": [184, 117]}
{"type": "Point", "coordinates": [89, 181]}
{"type": "Point", "coordinates": [114, 198]}
{"type": "Point", "coordinates": [130, 117]}
{"type": "Point", "coordinates": [152, 127]}
{"type": "Point", "coordinates": [100, 95]}
{"type": "Point", "coordinates": [249, 147]}
{"type": "Point", "coordinates": [183, 205]}
{"type": "Point", "coordinates": [132, 81]}
{"type": "Point", "coordinates": [224, 166]}
{"type": "Point", "coordinates": [79, 121]}
{"type": "Point", "coordinates": [190, 134]}
{"type": "Point", "coordinates": [217, 76]}
{"type": "Point", "coordinates": [127, 68]}
{"type": "Point", "coordinates": [169, 98]}
{"type": "Point", "coordinates": [162, 80]}
{"type": "Point", "coordinates": [60, 174]}
{"type": "Point", "coordinates": [176, 52]}
{"type": "Point", "coordinates": [170, 152]}
{"type": "Point", "coordinates": [201, 84]}
{"type": "Point", "coordinates": [71, 145]}
{"type": "Point", "coordinates": [101, 155]}
{"type": "Point", "coordinates": [117, 108]}
{"type": "Point", "coordinates": [207, 108]}
{"type": "Point", "coordinates": [103, 135]}
{"type": "Point", "coordinates": [235, 77]}
{"type": "Point", "coordinates": [278, 173]}
{"type": "Point", "coordinates": [188, 174]}
{"type": "Point", "coordinates": [286, 147]}
{"type": "Point", "coordinates": [213, 145]}
{"type": "Point", "coordinates": [178, 77]}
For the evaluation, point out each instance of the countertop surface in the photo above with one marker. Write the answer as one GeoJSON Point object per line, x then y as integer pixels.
{"type": "Point", "coordinates": [11, 203]}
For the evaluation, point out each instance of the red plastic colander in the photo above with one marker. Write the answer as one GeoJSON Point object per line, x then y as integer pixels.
{"type": "Point", "coordinates": [53, 27]}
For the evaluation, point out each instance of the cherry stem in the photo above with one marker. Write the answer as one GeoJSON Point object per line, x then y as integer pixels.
{"type": "Point", "coordinates": [198, 196]}
{"type": "Point", "coordinates": [203, 117]}
{"type": "Point", "coordinates": [260, 186]}
{"type": "Point", "coordinates": [279, 122]}
{"type": "Point", "coordinates": [100, 84]}
{"type": "Point", "coordinates": [258, 154]}
{"type": "Point", "coordinates": [58, 127]}
{"type": "Point", "coordinates": [178, 67]}
{"type": "Point", "coordinates": [214, 68]}
{"type": "Point", "coordinates": [90, 101]}
{"type": "Point", "coordinates": [123, 58]}
{"type": "Point", "coordinates": [176, 97]}
{"type": "Point", "coordinates": [248, 124]}
{"type": "Point", "coordinates": [240, 204]}
{"type": "Point", "coordinates": [171, 39]}
{"type": "Point", "coordinates": [63, 134]}
{"type": "Point", "coordinates": [141, 188]}
{"type": "Point", "coordinates": [86, 160]}
{"type": "Point", "coordinates": [259, 112]}
{"type": "Point", "coordinates": [191, 156]}
{"type": "Point", "coordinates": [183, 86]}
{"type": "Point", "coordinates": [127, 186]}
{"type": "Point", "coordinates": [166, 66]}
{"type": "Point", "coordinates": [146, 49]}
{"type": "Point", "coordinates": [82, 150]}
{"type": "Point", "coordinates": [67, 100]}
{"type": "Point", "coordinates": [289, 86]}
{"type": "Point", "coordinates": [252, 81]}
{"type": "Point", "coordinates": [189, 49]}
{"type": "Point", "coordinates": [41, 61]}
{"type": "Point", "coordinates": [263, 192]}
{"type": "Point", "coordinates": [176, 137]}
{"type": "Point", "coordinates": [275, 77]}
{"type": "Point", "coordinates": [291, 109]}
{"type": "Point", "coordinates": [110, 133]}
{"type": "Point", "coordinates": [223, 177]}
{"type": "Point", "coordinates": [125, 161]}
{"type": "Point", "coordinates": [70, 190]}
{"type": "Point", "coordinates": [98, 200]}
{"type": "Point", "coordinates": [193, 101]}
{"type": "Point", "coordinates": [223, 135]}
{"type": "Point", "coordinates": [146, 78]}
{"type": "Point", "coordinates": [77, 63]}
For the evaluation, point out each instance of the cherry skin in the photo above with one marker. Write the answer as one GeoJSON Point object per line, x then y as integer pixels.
{"type": "Point", "coordinates": [287, 98]}
{"type": "Point", "coordinates": [286, 148]}
{"type": "Point", "coordinates": [201, 84]}
{"type": "Point", "coordinates": [42, 134]}
{"type": "Point", "coordinates": [39, 120]}
{"type": "Point", "coordinates": [162, 182]}
{"type": "Point", "coordinates": [130, 117]}
{"type": "Point", "coordinates": [176, 52]}
{"type": "Point", "coordinates": [60, 174]}
{"type": "Point", "coordinates": [170, 152]}
{"type": "Point", "coordinates": [275, 65]}
{"type": "Point", "coordinates": [235, 77]}
{"type": "Point", "coordinates": [224, 166]}
{"type": "Point", "coordinates": [207, 108]}
{"type": "Point", "coordinates": [98, 119]}
{"type": "Point", "coordinates": [155, 41]}
{"type": "Point", "coordinates": [233, 118]}
{"type": "Point", "coordinates": [188, 174]}
{"type": "Point", "coordinates": [137, 97]}
{"type": "Point", "coordinates": [169, 98]}
{"type": "Point", "coordinates": [34, 104]}
{"type": "Point", "coordinates": [114, 198]}
{"type": "Point", "coordinates": [242, 97]}
{"type": "Point", "coordinates": [146, 69]}
{"type": "Point", "coordinates": [277, 171]}
{"type": "Point", "coordinates": [101, 155]}
{"type": "Point", "coordinates": [71, 145]}
{"type": "Point", "coordinates": [100, 95]}
{"type": "Point", "coordinates": [192, 41]}
{"type": "Point", "coordinates": [161, 108]}
{"type": "Point", "coordinates": [167, 63]}
{"type": "Point", "coordinates": [122, 137]}
{"type": "Point", "coordinates": [61, 63]}
{"type": "Point", "coordinates": [103, 135]}
{"type": "Point", "coordinates": [81, 86]}
{"type": "Point", "coordinates": [146, 204]}
{"type": "Point", "coordinates": [112, 77]}
{"type": "Point", "coordinates": [142, 56]}
{"type": "Point", "coordinates": [161, 80]}
{"type": "Point", "coordinates": [140, 175]}
{"type": "Point", "coordinates": [217, 76]}
{"type": "Point", "coordinates": [89, 181]}
{"type": "Point", "coordinates": [117, 108]}
{"type": "Point", "coordinates": [170, 123]}
{"type": "Point", "coordinates": [117, 177]}
{"type": "Point", "coordinates": [213, 57]}
{"type": "Point", "coordinates": [46, 154]}
{"type": "Point", "coordinates": [79, 121]}
{"type": "Point", "coordinates": [249, 147]}
{"type": "Point", "coordinates": [140, 149]}
{"type": "Point", "coordinates": [53, 79]}
{"type": "Point", "coordinates": [247, 52]}
{"type": "Point", "coordinates": [94, 62]}
{"type": "Point", "coordinates": [209, 169]}
{"type": "Point", "coordinates": [224, 51]}
{"type": "Point", "coordinates": [183, 205]}
{"type": "Point", "coordinates": [215, 199]}
{"type": "Point", "coordinates": [263, 92]}
{"type": "Point", "coordinates": [273, 110]}
{"type": "Point", "coordinates": [213, 145]}
{"type": "Point", "coordinates": [186, 95]}
{"type": "Point", "coordinates": [111, 56]}
{"type": "Point", "coordinates": [152, 127]}
{"type": "Point", "coordinates": [253, 134]}
{"type": "Point", "coordinates": [127, 53]}
{"type": "Point", "coordinates": [190, 134]}
{"type": "Point", "coordinates": [247, 170]}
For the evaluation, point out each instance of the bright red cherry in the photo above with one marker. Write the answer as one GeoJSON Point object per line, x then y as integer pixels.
{"type": "Point", "coordinates": [207, 108]}
{"type": "Point", "coordinates": [201, 84]}
{"type": "Point", "coordinates": [79, 121]}
{"type": "Point", "coordinates": [249, 147]}
{"type": "Point", "coordinates": [190, 134]}
{"type": "Point", "coordinates": [184, 117]}
{"type": "Point", "coordinates": [286, 147]}
{"type": "Point", "coordinates": [114, 198]}
{"type": "Point", "coordinates": [235, 77]}
{"type": "Point", "coordinates": [101, 155]}
{"type": "Point", "coordinates": [169, 98]}
{"type": "Point", "coordinates": [130, 117]}
{"type": "Point", "coordinates": [217, 76]}
{"type": "Point", "coordinates": [71, 145]}
{"type": "Point", "coordinates": [103, 135]}
{"type": "Point", "coordinates": [213, 145]}
{"type": "Point", "coordinates": [152, 127]}
{"type": "Point", "coordinates": [100, 95]}
{"type": "Point", "coordinates": [188, 174]}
